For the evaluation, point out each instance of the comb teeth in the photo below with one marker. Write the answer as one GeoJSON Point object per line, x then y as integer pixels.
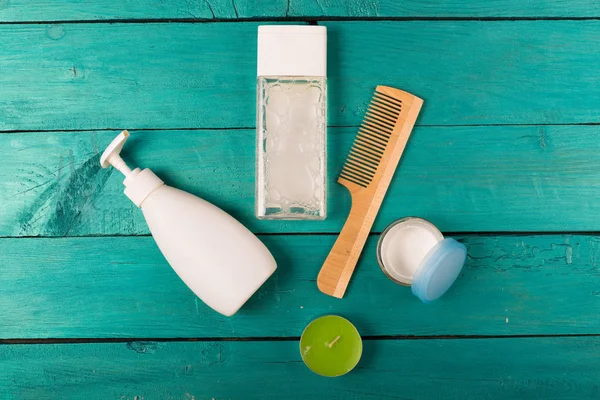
{"type": "Point", "coordinates": [372, 139]}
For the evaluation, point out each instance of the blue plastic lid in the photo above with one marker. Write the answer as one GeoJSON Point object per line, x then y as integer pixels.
{"type": "Point", "coordinates": [438, 270]}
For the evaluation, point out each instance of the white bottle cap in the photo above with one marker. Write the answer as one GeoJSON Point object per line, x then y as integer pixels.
{"type": "Point", "coordinates": [292, 50]}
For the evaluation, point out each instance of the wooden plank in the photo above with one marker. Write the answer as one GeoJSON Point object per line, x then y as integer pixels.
{"type": "Point", "coordinates": [57, 10]}
{"type": "Point", "coordinates": [464, 179]}
{"type": "Point", "coordinates": [122, 287]}
{"type": "Point", "coordinates": [557, 368]}
{"type": "Point", "coordinates": [88, 76]}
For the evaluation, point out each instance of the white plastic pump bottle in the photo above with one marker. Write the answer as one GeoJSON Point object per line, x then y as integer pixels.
{"type": "Point", "coordinates": [215, 255]}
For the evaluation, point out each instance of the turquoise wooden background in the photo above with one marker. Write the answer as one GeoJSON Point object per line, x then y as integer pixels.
{"type": "Point", "coordinates": [505, 157]}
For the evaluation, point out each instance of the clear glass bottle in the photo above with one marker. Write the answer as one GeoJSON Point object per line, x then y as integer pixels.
{"type": "Point", "coordinates": [291, 152]}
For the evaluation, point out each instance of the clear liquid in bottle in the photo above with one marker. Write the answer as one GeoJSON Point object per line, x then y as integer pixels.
{"type": "Point", "coordinates": [292, 148]}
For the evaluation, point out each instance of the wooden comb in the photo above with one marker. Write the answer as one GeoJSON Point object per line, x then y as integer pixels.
{"type": "Point", "coordinates": [367, 173]}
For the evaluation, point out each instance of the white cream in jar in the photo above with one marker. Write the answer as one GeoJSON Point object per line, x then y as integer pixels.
{"type": "Point", "coordinates": [413, 252]}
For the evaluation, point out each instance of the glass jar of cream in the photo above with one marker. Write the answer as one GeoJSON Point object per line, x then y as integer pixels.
{"type": "Point", "coordinates": [413, 252]}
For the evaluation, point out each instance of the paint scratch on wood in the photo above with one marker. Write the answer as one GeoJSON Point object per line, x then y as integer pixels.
{"type": "Point", "coordinates": [210, 8]}
{"type": "Point", "coordinates": [214, 353]}
{"type": "Point", "coordinates": [235, 10]}
{"type": "Point", "coordinates": [71, 196]}
{"type": "Point", "coordinates": [142, 347]}
{"type": "Point", "coordinates": [34, 187]}
{"type": "Point", "coordinates": [55, 32]}
{"type": "Point", "coordinates": [362, 8]}
{"type": "Point", "coordinates": [569, 254]}
{"type": "Point", "coordinates": [542, 138]}
{"type": "Point", "coordinates": [320, 7]}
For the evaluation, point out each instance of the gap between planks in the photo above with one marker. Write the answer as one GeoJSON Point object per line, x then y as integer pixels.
{"type": "Point", "coordinates": [281, 339]}
{"type": "Point", "coordinates": [132, 129]}
{"type": "Point", "coordinates": [311, 20]}
{"type": "Point", "coordinates": [252, 128]}
{"type": "Point", "coordinates": [376, 233]}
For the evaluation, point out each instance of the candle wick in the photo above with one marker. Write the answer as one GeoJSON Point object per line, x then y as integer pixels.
{"type": "Point", "coordinates": [333, 342]}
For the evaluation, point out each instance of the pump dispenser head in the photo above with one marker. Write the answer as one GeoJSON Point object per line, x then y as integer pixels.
{"type": "Point", "coordinates": [138, 184]}
{"type": "Point", "coordinates": [112, 154]}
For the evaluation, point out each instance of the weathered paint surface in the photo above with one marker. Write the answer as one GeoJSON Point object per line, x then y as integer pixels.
{"type": "Point", "coordinates": [464, 179]}
{"type": "Point", "coordinates": [525, 368]}
{"type": "Point", "coordinates": [103, 287]}
{"type": "Point", "coordinates": [65, 10]}
{"type": "Point", "coordinates": [203, 75]}
{"type": "Point", "coordinates": [507, 142]}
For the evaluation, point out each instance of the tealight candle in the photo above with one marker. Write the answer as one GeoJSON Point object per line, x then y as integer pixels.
{"type": "Point", "coordinates": [330, 346]}
{"type": "Point", "coordinates": [413, 252]}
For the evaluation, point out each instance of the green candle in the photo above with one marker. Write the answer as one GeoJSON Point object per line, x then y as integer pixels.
{"type": "Point", "coordinates": [330, 346]}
